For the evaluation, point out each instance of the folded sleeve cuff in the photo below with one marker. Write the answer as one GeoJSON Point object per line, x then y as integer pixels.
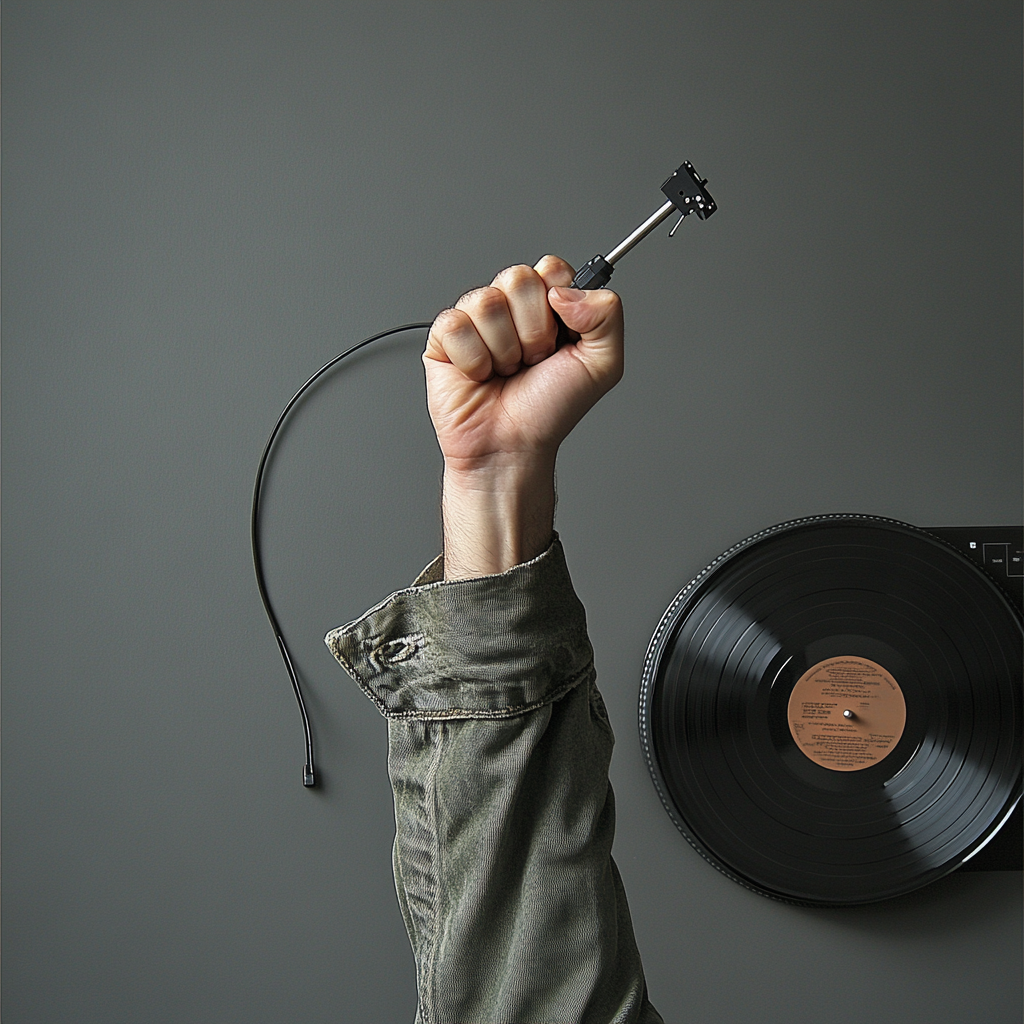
{"type": "Point", "coordinates": [490, 647]}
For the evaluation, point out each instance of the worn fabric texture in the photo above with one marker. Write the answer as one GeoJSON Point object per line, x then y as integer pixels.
{"type": "Point", "coordinates": [499, 746]}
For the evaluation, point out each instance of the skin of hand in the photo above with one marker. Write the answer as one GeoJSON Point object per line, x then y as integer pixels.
{"type": "Point", "coordinates": [502, 399]}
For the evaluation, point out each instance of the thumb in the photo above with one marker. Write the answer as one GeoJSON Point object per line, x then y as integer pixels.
{"type": "Point", "coordinates": [597, 317]}
{"type": "Point", "coordinates": [595, 313]}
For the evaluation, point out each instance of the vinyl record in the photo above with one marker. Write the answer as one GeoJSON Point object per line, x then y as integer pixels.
{"type": "Point", "coordinates": [832, 710]}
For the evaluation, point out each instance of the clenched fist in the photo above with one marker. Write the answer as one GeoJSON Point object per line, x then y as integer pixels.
{"type": "Point", "coordinates": [502, 399]}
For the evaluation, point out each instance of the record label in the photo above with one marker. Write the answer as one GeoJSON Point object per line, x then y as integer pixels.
{"type": "Point", "coordinates": [847, 713]}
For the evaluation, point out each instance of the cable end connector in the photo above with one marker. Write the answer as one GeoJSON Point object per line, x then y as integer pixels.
{"type": "Point", "coordinates": [595, 273]}
{"type": "Point", "coordinates": [308, 778]}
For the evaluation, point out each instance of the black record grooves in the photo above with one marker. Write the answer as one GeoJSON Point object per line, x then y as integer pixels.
{"type": "Point", "coordinates": [715, 716]}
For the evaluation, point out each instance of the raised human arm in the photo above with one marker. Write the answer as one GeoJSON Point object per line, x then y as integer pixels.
{"type": "Point", "coordinates": [502, 399]}
{"type": "Point", "coordinates": [499, 743]}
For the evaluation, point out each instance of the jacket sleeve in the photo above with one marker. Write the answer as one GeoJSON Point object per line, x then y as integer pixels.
{"type": "Point", "coordinates": [499, 747]}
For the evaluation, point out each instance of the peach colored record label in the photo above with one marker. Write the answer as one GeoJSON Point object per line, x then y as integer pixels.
{"type": "Point", "coordinates": [846, 713]}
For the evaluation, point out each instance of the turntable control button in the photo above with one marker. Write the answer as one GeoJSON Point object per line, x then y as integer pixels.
{"type": "Point", "coordinates": [995, 559]}
{"type": "Point", "coordinates": [1015, 563]}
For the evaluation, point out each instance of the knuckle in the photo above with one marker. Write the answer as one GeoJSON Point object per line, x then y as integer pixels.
{"type": "Point", "coordinates": [483, 302]}
{"type": "Point", "coordinates": [518, 276]}
{"type": "Point", "coordinates": [446, 323]}
{"type": "Point", "coordinates": [551, 263]}
{"type": "Point", "coordinates": [448, 320]}
{"type": "Point", "coordinates": [490, 300]}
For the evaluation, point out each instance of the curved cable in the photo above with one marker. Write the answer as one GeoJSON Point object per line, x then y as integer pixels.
{"type": "Point", "coordinates": [309, 771]}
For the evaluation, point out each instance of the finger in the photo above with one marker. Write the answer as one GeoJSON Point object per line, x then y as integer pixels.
{"type": "Point", "coordinates": [597, 316]}
{"type": "Point", "coordinates": [488, 309]}
{"type": "Point", "coordinates": [554, 271]}
{"type": "Point", "coordinates": [527, 297]}
{"type": "Point", "coordinates": [454, 339]}
{"type": "Point", "coordinates": [557, 273]}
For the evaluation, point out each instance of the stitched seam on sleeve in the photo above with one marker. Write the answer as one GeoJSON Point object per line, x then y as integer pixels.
{"type": "Point", "coordinates": [335, 648]}
{"type": "Point", "coordinates": [442, 714]}
{"type": "Point", "coordinates": [432, 802]}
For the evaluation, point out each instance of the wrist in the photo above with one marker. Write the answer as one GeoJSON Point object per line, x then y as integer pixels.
{"type": "Point", "coordinates": [496, 514]}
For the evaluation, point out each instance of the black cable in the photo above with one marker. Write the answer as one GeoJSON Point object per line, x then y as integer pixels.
{"type": "Point", "coordinates": [685, 193]}
{"type": "Point", "coordinates": [308, 773]}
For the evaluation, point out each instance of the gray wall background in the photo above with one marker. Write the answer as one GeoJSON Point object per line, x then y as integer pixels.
{"type": "Point", "coordinates": [206, 201]}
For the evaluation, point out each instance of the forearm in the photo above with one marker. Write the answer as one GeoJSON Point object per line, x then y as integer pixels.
{"type": "Point", "coordinates": [496, 514]}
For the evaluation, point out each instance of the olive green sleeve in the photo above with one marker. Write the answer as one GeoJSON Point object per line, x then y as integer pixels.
{"type": "Point", "coordinates": [499, 747]}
